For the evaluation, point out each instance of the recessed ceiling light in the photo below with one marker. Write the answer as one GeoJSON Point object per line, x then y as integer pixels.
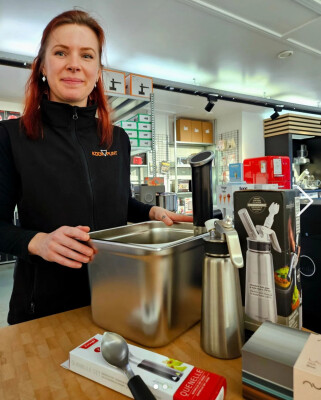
{"type": "Point", "coordinates": [285, 54]}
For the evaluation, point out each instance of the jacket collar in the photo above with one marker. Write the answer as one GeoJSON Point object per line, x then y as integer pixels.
{"type": "Point", "coordinates": [62, 115]}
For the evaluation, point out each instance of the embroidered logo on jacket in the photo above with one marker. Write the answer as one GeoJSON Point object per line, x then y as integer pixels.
{"type": "Point", "coordinates": [104, 153]}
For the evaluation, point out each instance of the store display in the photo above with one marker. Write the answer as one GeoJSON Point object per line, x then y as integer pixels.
{"type": "Point", "coordinates": [87, 360]}
{"type": "Point", "coordinates": [222, 324]}
{"type": "Point", "coordinates": [268, 227]}
{"type": "Point", "coordinates": [139, 85]}
{"type": "Point", "coordinates": [114, 81]}
{"type": "Point", "coordinates": [268, 169]}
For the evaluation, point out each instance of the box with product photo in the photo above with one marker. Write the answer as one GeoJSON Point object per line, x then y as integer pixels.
{"type": "Point", "coordinates": [114, 81]}
{"type": "Point", "coordinates": [268, 225]}
{"type": "Point", "coordinates": [139, 85]}
{"type": "Point", "coordinates": [166, 378]}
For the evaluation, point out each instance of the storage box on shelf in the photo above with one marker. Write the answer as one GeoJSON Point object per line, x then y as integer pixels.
{"type": "Point", "coordinates": [114, 81]}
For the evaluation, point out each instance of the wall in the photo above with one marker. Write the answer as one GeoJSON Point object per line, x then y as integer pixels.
{"type": "Point", "coordinates": [8, 106]}
{"type": "Point", "coordinates": [252, 137]}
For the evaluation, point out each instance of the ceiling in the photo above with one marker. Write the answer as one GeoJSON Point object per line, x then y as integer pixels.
{"type": "Point", "coordinates": [225, 45]}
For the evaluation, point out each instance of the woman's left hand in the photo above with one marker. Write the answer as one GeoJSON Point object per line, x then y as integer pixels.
{"type": "Point", "coordinates": [168, 217]}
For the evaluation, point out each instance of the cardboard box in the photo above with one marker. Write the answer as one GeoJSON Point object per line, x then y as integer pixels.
{"type": "Point", "coordinates": [144, 134]}
{"type": "Point", "coordinates": [269, 358]}
{"type": "Point", "coordinates": [141, 118]}
{"type": "Point", "coordinates": [197, 133]}
{"type": "Point", "coordinates": [183, 185]}
{"type": "Point", "coordinates": [114, 81]}
{"type": "Point", "coordinates": [139, 85]}
{"type": "Point", "coordinates": [307, 371]}
{"type": "Point", "coordinates": [207, 132]}
{"type": "Point", "coordinates": [133, 134]}
{"type": "Point", "coordinates": [166, 378]}
{"type": "Point", "coordinates": [270, 281]}
{"type": "Point", "coordinates": [184, 130]}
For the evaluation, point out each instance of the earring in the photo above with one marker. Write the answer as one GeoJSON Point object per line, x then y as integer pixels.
{"type": "Point", "coordinates": [44, 79]}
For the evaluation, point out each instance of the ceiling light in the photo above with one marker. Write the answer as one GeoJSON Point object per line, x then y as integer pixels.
{"type": "Point", "coordinates": [285, 54]}
{"type": "Point", "coordinates": [212, 99]}
{"type": "Point", "coordinates": [277, 110]}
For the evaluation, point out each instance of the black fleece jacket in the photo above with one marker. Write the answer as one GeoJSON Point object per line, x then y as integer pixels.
{"type": "Point", "coordinates": [64, 178]}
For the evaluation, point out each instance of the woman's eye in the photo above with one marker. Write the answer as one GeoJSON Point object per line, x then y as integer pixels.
{"type": "Point", "coordinates": [59, 53]}
{"type": "Point", "coordinates": [88, 56]}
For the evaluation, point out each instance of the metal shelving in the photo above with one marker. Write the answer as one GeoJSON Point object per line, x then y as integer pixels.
{"type": "Point", "coordinates": [123, 106]}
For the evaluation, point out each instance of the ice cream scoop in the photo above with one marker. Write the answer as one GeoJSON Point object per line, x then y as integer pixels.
{"type": "Point", "coordinates": [114, 349]}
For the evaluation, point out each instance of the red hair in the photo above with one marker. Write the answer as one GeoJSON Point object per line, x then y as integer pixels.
{"type": "Point", "coordinates": [36, 88]}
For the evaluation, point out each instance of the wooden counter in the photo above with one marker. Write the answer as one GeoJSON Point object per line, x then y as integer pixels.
{"type": "Point", "coordinates": [31, 354]}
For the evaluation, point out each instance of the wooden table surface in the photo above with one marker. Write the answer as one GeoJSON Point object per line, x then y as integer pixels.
{"type": "Point", "coordinates": [31, 354]}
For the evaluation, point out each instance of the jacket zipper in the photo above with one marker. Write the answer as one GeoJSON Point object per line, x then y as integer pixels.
{"type": "Point", "coordinates": [85, 163]}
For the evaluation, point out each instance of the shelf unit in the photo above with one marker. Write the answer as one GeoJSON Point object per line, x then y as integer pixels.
{"type": "Point", "coordinates": [123, 106]}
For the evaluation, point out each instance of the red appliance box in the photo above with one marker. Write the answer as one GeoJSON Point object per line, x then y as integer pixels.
{"type": "Point", "coordinates": [268, 169]}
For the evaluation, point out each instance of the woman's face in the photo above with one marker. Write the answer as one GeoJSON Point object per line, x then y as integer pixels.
{"type": "Point", "coordinates": [72, 64]}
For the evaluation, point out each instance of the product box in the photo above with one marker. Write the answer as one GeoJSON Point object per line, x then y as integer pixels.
{"type": "Point", "coordinates": [224, 196]}
{"type": "Point", "coordinates": [133, 142]}
{"type": "Point", "coordinates": [166, 378]}
{"type": "Point", "coordinates": [307, 371]}
{"type": "Point", "coordinates": [183, 185]}
{"type": "Point", "coordinates": [128, 124]}
{"type": "Point", "coordinates": [207, 132]}
{"type": "Point", "coordinates": [156, 181]}
{"type": "Point", "coordinates": [133, 134]}
{"type": "Point", "coordinates": [145, 142]}
{"type": "Point", "coordinates": [114, 81]}
{"type": "Point", "coordinates": [188, 205]}
{"type": "Point", "coordinates": [144, 134]}
{"type": "Point", "coordinates": [139, 85]}
{"type": "Point", "coordinates": [197, 133]}
{"type": "Point", "coordinates": [141, 118]}
{"type": "Point", "coordinates": [184, 130]}
{"type": "Point", "coordinates": [268, 226]}
{"type": "Point", "coordinates": [269, 360]}
{"type": "Point", "coordinates": [144, 126]}
{"type": "Point", "coordinates": [236, 172]}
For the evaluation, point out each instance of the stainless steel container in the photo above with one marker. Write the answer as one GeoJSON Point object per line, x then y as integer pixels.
{"type": "Point", "coordinates": [146, 281]}
{"type": "Point", "coordinates": [167, 200]}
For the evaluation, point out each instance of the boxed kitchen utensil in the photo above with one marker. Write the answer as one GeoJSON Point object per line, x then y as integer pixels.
{"type": "Point", "coordinates": [268, 225]}
{"type": "Point", "coordinates": [307, 370]}
{"type": "Point", "coordinates": [268, 362]}
{"type": "Point", "coordinates": [145, 278]}
{"type": "Point", "coordinates": [166, 378]}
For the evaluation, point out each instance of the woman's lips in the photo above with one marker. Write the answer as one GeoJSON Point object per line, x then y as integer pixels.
{"type": "Point", "coordinates": [72, 81]}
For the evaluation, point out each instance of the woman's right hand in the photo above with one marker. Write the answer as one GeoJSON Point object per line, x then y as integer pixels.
{"type": "Point", "coordinates": [63, 246]}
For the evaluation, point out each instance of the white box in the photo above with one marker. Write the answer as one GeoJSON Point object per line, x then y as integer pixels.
{"type": "Point", "coordinates": [139, 85]}
{"type": "Point", "coordinates": [307, 371]}
{"type": "Point", "coordinates": [144, 126]}
{"type": "Point", "coordinates": [141, 118]}
{"type": "Point", "coordinates": [145, 143]}
{"type": "Point", "coordinates": [127, 124]}
{"type": "Point", "coordinates": [164, 376]}
{"type": "Point", "coordinates": [131, 133]}
{"type": "Point", "coordinates": [145, 134]}
{"type": "Point", "coordinates": [133, 142]}
{"type": "Point", "coordinates": [114, 81]}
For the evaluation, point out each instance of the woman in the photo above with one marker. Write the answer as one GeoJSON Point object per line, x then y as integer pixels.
{"type": "Point", "coordinates": [49, 167]}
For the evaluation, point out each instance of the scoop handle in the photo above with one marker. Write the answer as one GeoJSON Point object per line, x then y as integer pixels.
{"type": "Point", "coordinates": [139, 389]}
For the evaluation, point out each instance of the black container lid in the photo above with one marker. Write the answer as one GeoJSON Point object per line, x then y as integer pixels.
{"type": "Point", "coordinates": [201, 158]}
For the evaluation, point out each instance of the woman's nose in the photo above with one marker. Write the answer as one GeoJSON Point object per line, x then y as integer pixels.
{"type": "Point", "coordinates": [73, 64]}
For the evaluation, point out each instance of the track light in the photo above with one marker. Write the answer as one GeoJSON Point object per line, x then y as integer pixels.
{"type": "Point", "coordinates": [276, 114]}
{"type": "Point", "coordinates": [212, 99]}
